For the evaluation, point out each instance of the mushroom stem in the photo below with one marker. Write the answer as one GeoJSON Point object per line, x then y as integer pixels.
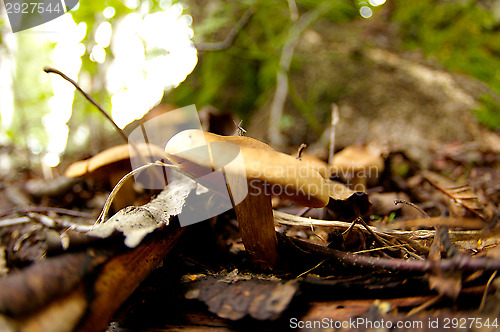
{"type": "Point", "coordinates": [256, 223]}
{"type": "Point", "coordinates": [249, 167]}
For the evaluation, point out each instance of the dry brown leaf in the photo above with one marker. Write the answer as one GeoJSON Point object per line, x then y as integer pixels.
{"type": "Point", "coordinates": [347, 204]}
{"type": "Point", "coordinates": [234, 295]}
{"type": "Point", "coordinates": [461, 195]}
{"type": "Point", "coordinates": [137, 222]}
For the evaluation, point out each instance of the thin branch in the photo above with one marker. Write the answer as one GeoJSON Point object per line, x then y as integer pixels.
{"type": "Point", "coordinates": [333, 126]}
{"type": "Point", "coordinates": [93, 102]}
{"type": "Point", "coordinates": [464, 263]}
{"type": "Point", "coordinates": [47, 210]}
{"type": "Point", "coordinates": [301, 150]}
{"type": "Point", "coordinates": [416, 207]}
{"type": "Point", "coordinates": [424, 305]}
{"type": "Point", "coordinates": [240, 131]}
{"type": "Point", "coordinates": [120, 183]}
{"type": "Point", "coordinates": [306, 272]}
{"type": "Point", "coordinates": [486, 289]}
{"type": "Point", "coordinates": [89, 98]}
{"type": "Point", "coordinates": [294, 12]}
{"type": "Point", "coordinates": [293, 220]}
{"type": "Point", "coordinates": [231, 37]}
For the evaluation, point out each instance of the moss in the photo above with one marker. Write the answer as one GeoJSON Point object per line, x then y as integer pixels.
{"type": "Point", "coordinates": [488, 114]}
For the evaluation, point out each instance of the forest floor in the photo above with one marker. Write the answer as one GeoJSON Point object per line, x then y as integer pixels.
{"type": "Point", "coordinates": [427, 262]}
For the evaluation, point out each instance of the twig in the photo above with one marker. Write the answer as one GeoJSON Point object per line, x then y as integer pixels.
{"type": "Point", "coordinates": [14, 221]}
{"type": "Point", "coordinates": [294, 12]}
{"type": "Point", "coordinates": [349, 229]}
{"type": "Point", "coordinates": [240, 131]}
{"type": "Point", "coordinates": [89, 98]}
{"type": "Point", "coordinates": [46, 209]}
{"type": "Point", "coordinates": [466, 263]}
{"type": "Point", "coordinates": [402, 201]}
{"type": "Point", "coordinates": [333, 126]}
{"type": "Point", "coordinates": [483, 299]}
{"type": "Point", "coordinates": [231, 37]}
{"type": "Point", "coordinates": [120, 183]}
{"type": "Point", "coordinates": [293, 220]}
{"type": "Point", "coordinates": [379, 248]}
{"type": "Point", "coordinates": [160, 175]}
{"type": "Point", "coordinates": [306, 272]}
{"type": "Point", "coordinates": [425, 305]}
{"type": "Point", "coordinates": [300, 151]}
{"type": "Point", "coordinates": [380, 240]}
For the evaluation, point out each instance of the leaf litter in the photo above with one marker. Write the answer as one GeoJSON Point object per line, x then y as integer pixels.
{"type": "Point", "coordinates": [446, 250]}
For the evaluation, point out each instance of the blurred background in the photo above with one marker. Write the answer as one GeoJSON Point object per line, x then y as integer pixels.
{"type": "Point", "coordinates": [406, 74]}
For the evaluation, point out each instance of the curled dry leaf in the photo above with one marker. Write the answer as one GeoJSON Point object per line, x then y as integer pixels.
{"type": "Point", "coordinates": [346, 204]}
{"type": "Point", "coordinates": [137, 222]}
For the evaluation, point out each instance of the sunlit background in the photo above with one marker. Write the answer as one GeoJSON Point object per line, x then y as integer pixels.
{"type": "Point", "coordinates": [153, 52]}
{"type": "Point", "coordinates": [365, 11]}
{"type": "Point", "coordinates": [142, 54]}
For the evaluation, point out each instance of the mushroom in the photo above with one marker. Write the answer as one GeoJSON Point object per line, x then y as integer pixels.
{"type": "Point", "coordinates": [265, 172]}
{"type": "Point", "coordinates": [114, 163]}
{"type": "Point", "coordinates": [319, 165]}
{"type": "Point", "coordinates": [358, 166]}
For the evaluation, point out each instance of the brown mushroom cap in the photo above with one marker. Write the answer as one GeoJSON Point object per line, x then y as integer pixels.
{"type": "Point", "coordinates": [283, 175]}
{"type": "Point", "coordinates": [319, 165]}
{"type": "Point", "coordinates": [120, 154]}
{"type": "Point", "coordinates": [112, 164]}
{"type": "Point", "coordinates": [354, 160]}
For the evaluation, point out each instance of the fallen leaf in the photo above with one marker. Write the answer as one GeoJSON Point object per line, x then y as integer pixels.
{"type": "Point", "coordinates": [461, 195]}
{"type": "Point", "coordinates": [347, 204]}
{"type": "Point", "coordinates": [234, 295]}
{"type": "Point", "coordinates": [137, 222]}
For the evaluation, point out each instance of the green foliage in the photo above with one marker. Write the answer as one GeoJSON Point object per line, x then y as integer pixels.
{"type": "Point", "coordinates": [488, 113]}
{"type": "Point", "coordinates": [463, 35]}
{"type": "Point", "coordinates": [242, 78]}
{"type": "Point", "coordinates": [31, 92]}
